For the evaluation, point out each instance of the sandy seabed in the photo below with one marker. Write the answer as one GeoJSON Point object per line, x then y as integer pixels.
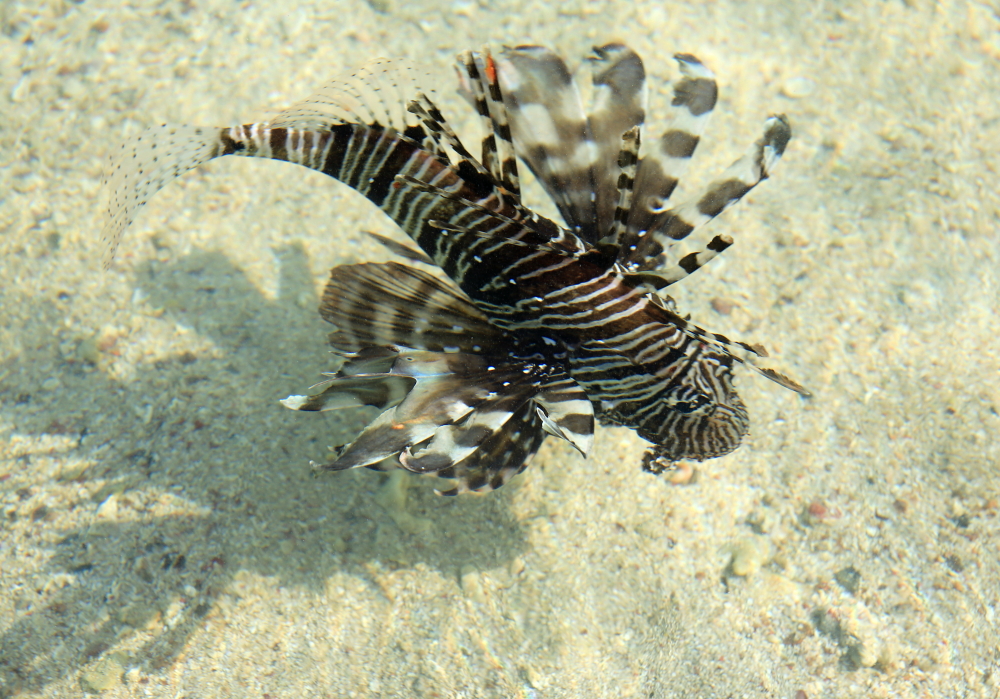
{"type": "Point", "coordinates": [163, 536]}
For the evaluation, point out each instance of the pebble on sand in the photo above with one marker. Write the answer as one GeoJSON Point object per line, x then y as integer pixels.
{"type": "Point", "coordinates": [107, 673]}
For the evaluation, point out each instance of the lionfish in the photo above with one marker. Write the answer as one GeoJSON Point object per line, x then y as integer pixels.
{"type": "Point", "coordinates": [521, 327]}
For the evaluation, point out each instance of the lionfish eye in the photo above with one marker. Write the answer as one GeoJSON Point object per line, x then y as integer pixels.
{"type": "Point", "coordinates": [690, 406]}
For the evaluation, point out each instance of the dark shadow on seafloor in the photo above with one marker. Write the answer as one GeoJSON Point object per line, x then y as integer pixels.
{"type": "Point", "coordinates": [254, 503]}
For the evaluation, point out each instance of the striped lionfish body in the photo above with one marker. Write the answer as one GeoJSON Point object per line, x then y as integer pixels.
{"type": "Point", "coordinates": [525, 328]}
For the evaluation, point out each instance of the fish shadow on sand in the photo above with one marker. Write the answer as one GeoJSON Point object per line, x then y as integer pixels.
{"type": "Point", "coordinates": [179, 478]}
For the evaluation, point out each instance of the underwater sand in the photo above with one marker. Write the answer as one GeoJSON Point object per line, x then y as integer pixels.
{"type": "Point", "coordinates": [161, 534]}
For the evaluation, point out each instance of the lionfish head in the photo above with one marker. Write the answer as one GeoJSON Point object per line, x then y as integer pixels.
{"type": "Point", "coordinates": [700, 416]}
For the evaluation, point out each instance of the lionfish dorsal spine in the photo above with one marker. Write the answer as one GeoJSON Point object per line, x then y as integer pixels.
{"type": "Point", "coordinates": [436, 125]}
{"type": "Point", "coordinates": [677, 223]}
{"type": "Point", "coordinates": [628, 159]}
{"type": "Point", "coordinates": [617, 108]}
{"type": "Point", "coordinates": [498, 155]}
{"type": "Point", "coordinates": [693, 97]}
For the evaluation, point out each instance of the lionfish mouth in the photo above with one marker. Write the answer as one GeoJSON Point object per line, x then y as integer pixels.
{"type": "Point", "coordinates": [437, 353]}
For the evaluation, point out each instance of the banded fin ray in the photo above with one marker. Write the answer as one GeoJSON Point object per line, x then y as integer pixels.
{"type": "Point", "coordinates": [663, 165]}
{"type": "Point", "coordinates": [732, 185]}
{"type": "Point", "coordinates": [446, 388]}
{"type": "Point", "coordinates": [353, 391]}
{"type": "Point", "coordinates": [456, 404]}
{"type": "Point", "coordinates": [627, 160]}
{"type": "Point", "coordinates": [453, 443]}
{"type": "Point", "coordinates": [500, 457]}
{"type": "Point", "coordinates": [567, 413]}
{"type": "Point", "coordinates": [618, 107]}
{"type": "Point", "coordinates": [441, 132]}
{"type": "Point", "coordinates": [656, 280]}
{"type": "Point", "coordinates": [472, 84]}
{"type": "Point", "coordinates": [471, 450]}
{"type": "Point", "coordinates": [498, 153]}
{"type": "Point", "coordinates": [364, 378]}
{"type": "Point", "coordinates": [391, 304]}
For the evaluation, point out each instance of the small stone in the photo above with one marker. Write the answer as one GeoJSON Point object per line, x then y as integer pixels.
{"type": "Point", "coordinates": [471, 584]}
{"type": "Point", "coordinates": [172, 613]}
{"type": "Point", "coordinates": [142, 569]}
{"type": "Point", "coordinates": [848, 578]}
{"type": "Point", "coordinates": [761, 521]}
{"type": "Point", "coordinates": [137, 615]}
{"type": "Point", "coordinates": [39, 513]}
{"type": "Point", "coordinates": [779, 587]}
{"type": "Point", "coordinates": [87, 350]}
{"type": "Point", "coordinates": [650, 530]}
{"type": "Point", "coordinates": [107, 673]}
{"type": "Point", "coordinates": [861, 655]}
{"type": "Point", "coordinates": [109, 508]}
{"type": "Point", "coordinates": [814, 513]}
{"type": "Point", "coordinates": [532, 677]}
{"type": "Point", "coordinates": [962, 521]}
{"type": "Point", "coordinates": [748, 556]}
{"type": "Point", "coordinates": [920, 297]}
{"type": "Point", "coordinates": [802, 631]}
{"type": "Point", "coordinates": [21, 90]}
{"type": "Point", "coordinates": [682, 473]}
{"type": "Point", "coordinates": [723, 306]}
{"type": "Point", "coordinates": [798, 87]}
{"type": "Point", "coordinates": [51, 384]}
{"type": "Point", "coordinates": [827, 624]}
{"type": "Point", "coordinates": [886, 659]}
{"type": "Point", "coordinates": [155, 622]}
{"type": "Point", "coordinates": [72, 471]}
